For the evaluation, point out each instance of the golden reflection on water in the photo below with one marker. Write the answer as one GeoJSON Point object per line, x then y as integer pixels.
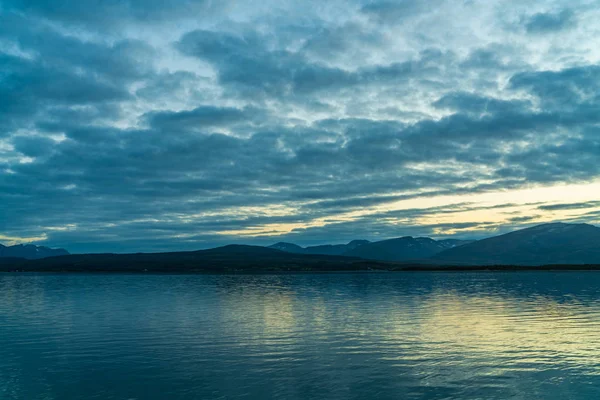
{"type": "Point", "coordinates": [511, 329]}
{"type": "Point", "coordinates": [507, 329]}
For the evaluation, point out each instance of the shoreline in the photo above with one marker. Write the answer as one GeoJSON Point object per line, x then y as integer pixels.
{"type": "Point", "coordinates": [437, 269]}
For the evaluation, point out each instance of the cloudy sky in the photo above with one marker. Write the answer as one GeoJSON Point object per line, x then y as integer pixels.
{"type": "Point", "coordinates": [146, 125]}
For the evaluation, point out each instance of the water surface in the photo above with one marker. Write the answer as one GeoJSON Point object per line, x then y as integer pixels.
{"type": "Point", "coordinates": [519, 335]}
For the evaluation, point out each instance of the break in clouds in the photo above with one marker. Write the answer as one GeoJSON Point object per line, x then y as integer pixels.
{"type": "Point", "coordinates": [150, 125]}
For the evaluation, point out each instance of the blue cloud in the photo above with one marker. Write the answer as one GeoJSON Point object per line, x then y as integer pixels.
{"type": "Point", "coordinates": [550, 22]}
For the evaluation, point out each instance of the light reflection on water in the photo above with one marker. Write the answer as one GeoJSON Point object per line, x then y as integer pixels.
{"type": "Point", "coordinates": [526, 335]}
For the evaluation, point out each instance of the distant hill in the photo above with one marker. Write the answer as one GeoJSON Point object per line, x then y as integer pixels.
{"type": "Point", "coordinates": [335, 249]}
{"type": "Point", "coordinates": [30, 252]}
{"type": "Point", "coordinates": [238, 259]}
{"type": "Point", "coordinates": [326, 249]}
{"type": "Point", "coordinates": [552, 246]}
{"type": "Point", "coordinates": [555, 243]}
{"type": "Point", "coordinates": [404, 248]}
{"type": "Point", "coordinates": [287, 247]}
{"type": "Point", "coordinates": [400, 249]}
{"type": "Point", "coordinates": [227, 259]}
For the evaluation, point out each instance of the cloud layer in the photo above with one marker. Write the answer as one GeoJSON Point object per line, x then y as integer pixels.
{"type": "Point", "coordinates": [141, 125]}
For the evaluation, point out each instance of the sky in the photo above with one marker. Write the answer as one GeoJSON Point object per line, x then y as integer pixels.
{"type": "Point", "coordinates": [151, 125]}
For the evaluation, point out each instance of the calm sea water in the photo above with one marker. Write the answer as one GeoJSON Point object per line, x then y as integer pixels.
{"type": "Point", "coordinates": [525, 335]}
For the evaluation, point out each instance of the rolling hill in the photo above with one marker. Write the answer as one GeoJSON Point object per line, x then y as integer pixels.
{"type": "Point", "coordinates": [554, 243]}
{"type": "Point", "coordinates": [226, 259]}
{"type": "Point", "coordinates": [553, 246]}
{"type": "Point", "coordinates": [326, 249]}
{"type": "Point", "coordinates": [401, 249]}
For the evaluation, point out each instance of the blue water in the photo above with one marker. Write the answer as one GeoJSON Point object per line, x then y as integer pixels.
{"type": "Point", "coordinates": [525, 335]}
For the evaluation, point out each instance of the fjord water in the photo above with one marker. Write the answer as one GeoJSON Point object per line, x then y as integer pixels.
{"type": "Point", "coordinates": [521, 335]}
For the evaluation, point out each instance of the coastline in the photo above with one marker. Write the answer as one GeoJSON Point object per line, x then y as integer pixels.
{"type": "Point", "coordinates": [275, 271]}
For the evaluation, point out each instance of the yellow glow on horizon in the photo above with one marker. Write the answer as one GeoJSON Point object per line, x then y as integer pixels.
{"type": "Point", "coordinates": [525, 203]}
{"type": "Point", "coordinates": [13, 240]}
{"type": "Point", "coordinates": [564, 193]}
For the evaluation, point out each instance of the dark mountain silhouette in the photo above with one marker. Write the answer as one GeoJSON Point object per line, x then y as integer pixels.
{"type": "Point", "coordinates": [30, 252]}
{"type": "Point", "coordinates": [287, 247]}
{"type": "Point", "coordinates": [335, 249]}
{"type": "Point", "coordinates": [551, 246]}
{"type": "Point", "coordinates": [231, 258]}
{"type": "Point", "coordinates": [400, 249]}
{"type": "Point", "coordinates": [404, 248]}
{"type": "Point", "coordinates": [555, 243]}
{"type": "Point", "coordinates": [250, 259]}
{"type": "Point", "coordinates": [451, 243]}
{"type": "Point", "coordinates": [326, 249]}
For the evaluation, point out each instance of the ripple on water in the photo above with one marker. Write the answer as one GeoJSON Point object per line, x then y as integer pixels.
{"type": "Point", "coordinates": [340, 336]}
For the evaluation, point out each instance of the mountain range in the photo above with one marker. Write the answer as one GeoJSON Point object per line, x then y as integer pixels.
{"type": "Point", "coordinates": [329, 249]}
{"type": "Point", "coordinates": [546, 244]}
{"type": "Point", "coordinates": [400, 249]}
{"type": "Point", "coordinates": [30, 251]}
{"type": "Point", "coordinates": [556, 243]}
{"type": "Point", "coordinates": [542, 245]}
{"type": "Point", "coordinates": [226, 259]}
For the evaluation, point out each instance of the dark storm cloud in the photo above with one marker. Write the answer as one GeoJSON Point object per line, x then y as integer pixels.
{"type": "Point", "coordinates": [33, 146]}
{"type": "Point", "coordinates": [28, 88]}
{"type": "Point", "coordinates": [28, 82]}
{"type": "Point", "coordinates": [571, 88]}
{"type": "Point", "coordinates": [246, 63]}
{"type": "Point", "coordinates": [477, 104]}
{"type": "Point", "coordinates": [201, 117]}
{"type": "Point", "coordinates": [56, 72]}
{"type": "Point", "coordinates": [575, 159]}
{"type": "Point", "coordinates": [550, 22]}
{"type": "Point", "coordinates": [119, 61]}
